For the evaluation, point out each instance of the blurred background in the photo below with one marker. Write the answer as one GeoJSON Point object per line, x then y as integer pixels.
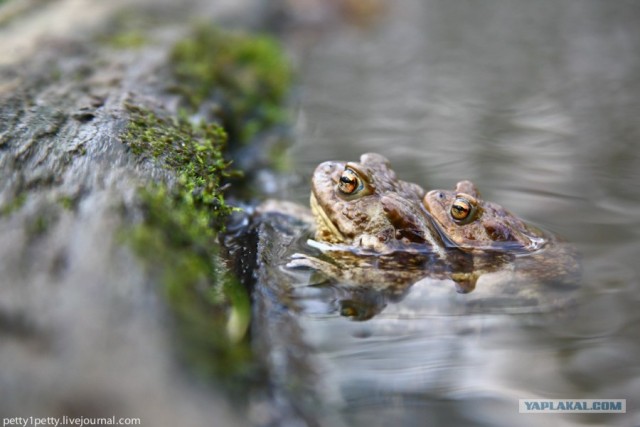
{"type": "Point", "coordinates": [537, 102]}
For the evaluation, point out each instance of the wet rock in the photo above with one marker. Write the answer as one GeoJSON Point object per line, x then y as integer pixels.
{"type": "Point", "coordinates": [84, 331]}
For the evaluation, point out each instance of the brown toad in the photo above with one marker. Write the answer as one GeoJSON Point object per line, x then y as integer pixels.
{"type": "Point", "coordinates": [468, 222]}
{"type": "Point", "coordinates": [365, 205]}
{"type": "Point", "coordinates": [472, 225]}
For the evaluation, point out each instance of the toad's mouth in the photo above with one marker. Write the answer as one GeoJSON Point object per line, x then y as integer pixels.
{"type": "Point", "coordinates": [326, 229]}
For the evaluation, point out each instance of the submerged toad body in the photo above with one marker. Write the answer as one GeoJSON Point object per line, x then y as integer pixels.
{"type": "Point", "coordinates": [364, 204]}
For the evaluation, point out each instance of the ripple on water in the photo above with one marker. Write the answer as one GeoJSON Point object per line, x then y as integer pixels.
{"type": "Point", "coordinates": [541, 112]}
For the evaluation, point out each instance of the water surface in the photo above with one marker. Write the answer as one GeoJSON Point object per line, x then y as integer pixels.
{"type": "Point", "coordinates": [538, 104]}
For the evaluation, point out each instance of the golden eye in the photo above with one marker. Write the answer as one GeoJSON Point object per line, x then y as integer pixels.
{"type": "Point", "coordinates": [462, 209]}
{"type": "Point", "coordinates": [349, 183]}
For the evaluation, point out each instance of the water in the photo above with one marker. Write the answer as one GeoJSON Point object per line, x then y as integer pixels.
{"type": "Point", "coordinates": [538, 103]}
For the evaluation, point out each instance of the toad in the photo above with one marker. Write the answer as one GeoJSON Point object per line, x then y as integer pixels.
{"type": "Point", "coordinates": [364, 204]}
{"type": "Point", "coordinates": [467, 222]}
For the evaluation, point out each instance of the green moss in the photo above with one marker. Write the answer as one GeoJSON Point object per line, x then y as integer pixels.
{"type": "Point", "coordinates": [131, 39]}
{"type": "Point", "coordinates": [38, 226]}
{"type": "Point", "coordinates": [128, 28]}
{"type": "Point", "coordinates": [210, 308]}
{"type": "Point", "coordinates": [15, 204]}
{"type": "Point", "coordinates": [67, 202]}
{"type": "Point", "coordinates": [247, 76]}
{"type": "Point", "coordinates": [193, 152]}
{"type": "Point", "coordinates": [178, 240]}
{"type": "Point", "coordinates": [241, 83]}
{"type": "Point", "coordinates": [278, 157]}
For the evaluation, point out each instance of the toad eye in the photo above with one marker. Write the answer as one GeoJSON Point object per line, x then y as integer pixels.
{"type": "Point", "coordinates": [462, 210]}
{"type": "Point", "coordinates": [350, 183]}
